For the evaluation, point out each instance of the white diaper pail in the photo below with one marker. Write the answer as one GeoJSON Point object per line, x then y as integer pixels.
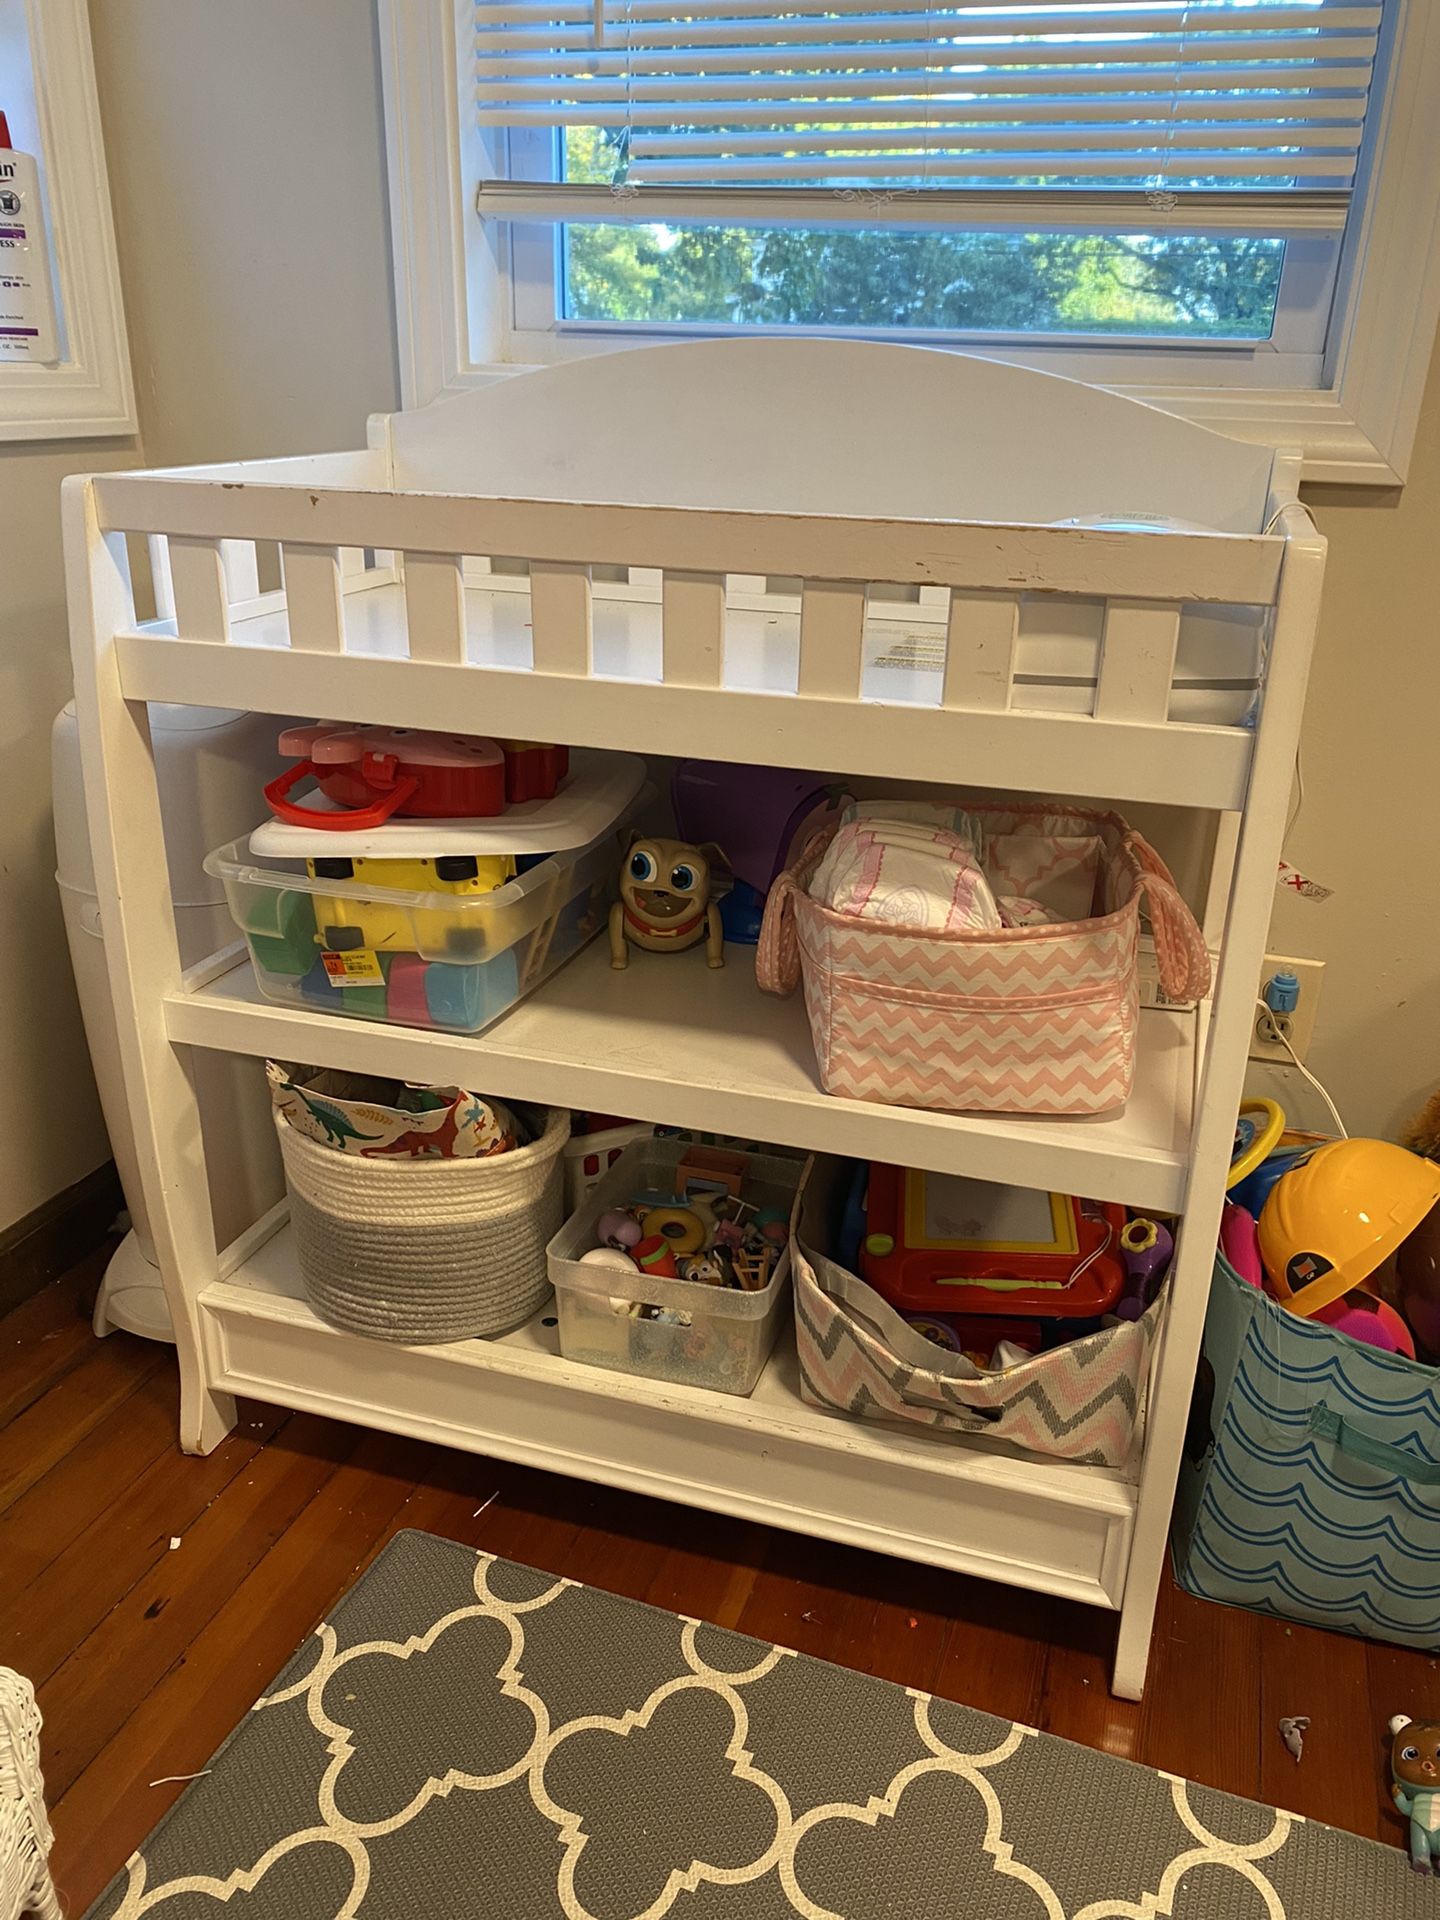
{"type": "Point", "coordinates": [210, 766]}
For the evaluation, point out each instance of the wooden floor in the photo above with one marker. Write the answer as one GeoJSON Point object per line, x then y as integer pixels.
{"type": "Point", "coordinates": [146, 1656]}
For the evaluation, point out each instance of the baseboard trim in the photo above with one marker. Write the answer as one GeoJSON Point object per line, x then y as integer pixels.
{"type": "Point", "coordinates": [57, 1234]}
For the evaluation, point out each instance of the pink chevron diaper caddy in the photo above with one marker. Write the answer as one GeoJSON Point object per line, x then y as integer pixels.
{"type": "Point", "coordinates": [1031, 1018]}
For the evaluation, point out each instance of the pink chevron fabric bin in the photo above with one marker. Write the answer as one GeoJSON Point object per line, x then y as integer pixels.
{"type": "Point", "coordinates": [858, 1356]}
{"type": "Point", "coordinates": [1038, 1019]}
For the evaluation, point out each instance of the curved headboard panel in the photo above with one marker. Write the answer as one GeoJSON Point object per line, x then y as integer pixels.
{"type": "Point", "coordinates": [829, 426]}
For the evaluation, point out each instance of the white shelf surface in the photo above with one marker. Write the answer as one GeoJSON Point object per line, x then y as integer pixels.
{"type": "Point", "coordinates": [948, 1501]}
{"type": "Point", "coordinates": [1200, 757]}
{"type": "Point", "coordinates": [670, 1041]}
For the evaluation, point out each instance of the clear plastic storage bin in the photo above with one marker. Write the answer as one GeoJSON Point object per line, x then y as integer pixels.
{"type": "Point", "coordinates": [434, 959]}
{"type": "Point", "coordinates": [724, 1338]}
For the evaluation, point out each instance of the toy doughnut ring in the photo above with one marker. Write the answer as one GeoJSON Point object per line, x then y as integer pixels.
{"type": "Point", "coordinates": [1257, 1134]}
{"type": "Point", "coordinates": [680, 1226]}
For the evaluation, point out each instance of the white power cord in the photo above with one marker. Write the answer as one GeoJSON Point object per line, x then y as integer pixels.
{"type": "Point", "coordinates": [1300, 1067]}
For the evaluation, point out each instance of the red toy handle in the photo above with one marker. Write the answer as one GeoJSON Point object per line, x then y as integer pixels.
{"type": "Point", "coordinates": [347, 820]}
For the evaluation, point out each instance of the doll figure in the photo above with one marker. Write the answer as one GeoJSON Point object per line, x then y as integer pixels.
{"type": "Point", "coordinates": [1415, 1786]}
{"type": "Point", "coordinates": [665, 904]}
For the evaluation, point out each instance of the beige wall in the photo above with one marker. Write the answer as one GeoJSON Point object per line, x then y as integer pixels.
{"type": "Point", "coordinates": [1370, 827]}
{"type": "Point", "coordinates": [246, 169]}
{"type": "Point", "coordinates": [52, 1133]}
{"type": "Point", "coordinates": [245, 147]}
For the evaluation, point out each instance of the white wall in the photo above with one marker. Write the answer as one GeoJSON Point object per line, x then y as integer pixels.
{"type": "Point", "coordinates": [51, 1133]}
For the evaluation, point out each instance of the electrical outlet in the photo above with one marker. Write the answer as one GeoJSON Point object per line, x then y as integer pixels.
{"type": "Point", "coordinates": [1299, 1026]}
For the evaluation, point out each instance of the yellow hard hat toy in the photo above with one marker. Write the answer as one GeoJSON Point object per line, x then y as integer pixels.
{"type": "Point", "coordinates": [1330, 1222]}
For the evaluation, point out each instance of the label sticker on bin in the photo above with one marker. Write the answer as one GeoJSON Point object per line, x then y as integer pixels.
{"type": "Point", "coordinates": [358, 968]}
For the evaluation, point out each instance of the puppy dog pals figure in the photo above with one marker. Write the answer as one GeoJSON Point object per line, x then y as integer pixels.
{"type": "Point", "coordinates": [665, 903]}
{"type": "Point", "coordinates": [1415, 1786]}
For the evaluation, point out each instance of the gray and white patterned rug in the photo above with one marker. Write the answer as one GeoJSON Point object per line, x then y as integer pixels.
{"type": "Point", "coordinates": [471, 1740]}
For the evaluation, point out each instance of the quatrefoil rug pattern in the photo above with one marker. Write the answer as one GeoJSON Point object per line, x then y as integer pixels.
{"type": "Point", "coordinates": [471, 1740]}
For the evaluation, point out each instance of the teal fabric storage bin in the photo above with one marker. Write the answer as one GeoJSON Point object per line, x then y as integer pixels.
{"type": "Point", "coordinates": [1311, 1486]}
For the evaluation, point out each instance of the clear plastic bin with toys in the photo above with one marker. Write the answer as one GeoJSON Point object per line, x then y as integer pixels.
{"type": "Point", "coordinates": [377, 910]}
{"type": "Point", "coordinates": [420, 956]}
{"type": "Point", "coordinates": [618, 1268]}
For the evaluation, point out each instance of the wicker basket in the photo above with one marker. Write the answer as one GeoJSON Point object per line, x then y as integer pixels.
{"type": "Point", "coordinates": [25, 1886]}
{"type": "Point", "coordinates": [425, 1251]}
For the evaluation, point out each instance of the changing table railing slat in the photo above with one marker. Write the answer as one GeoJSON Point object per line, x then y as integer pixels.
{"type": "Point", "coordinates": [314, 597]}
{"type": "Point", "coordinates": [1137, 660]}
{"type": "Point", "coordinates": [561, 617]}
{"type": "Point", "coordinates": [692, 610]}
{"type": "Point", "coordinates": [832, 639]}
{"type": "Point", "coordinates": [980, 651]}
{"type": "Point", "coordinates": [201, 596]}
{"type": "Point", "coordinates": [161, 585]}
{"type": "Point", "coordinates": [242, 569]}
{"type": "Point", "coordinates": [435, 606]}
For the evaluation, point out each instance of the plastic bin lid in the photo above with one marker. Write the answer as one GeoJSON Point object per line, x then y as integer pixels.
{"type": "Point", "coordinates": [600, 787]}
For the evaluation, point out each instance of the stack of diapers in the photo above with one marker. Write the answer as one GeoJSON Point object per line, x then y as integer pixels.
{"type": "Point", "coordinates": [915, 863]}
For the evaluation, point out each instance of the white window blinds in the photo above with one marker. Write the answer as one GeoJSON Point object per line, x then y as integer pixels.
{"type": "Point", "coordinates": [1225, 113]}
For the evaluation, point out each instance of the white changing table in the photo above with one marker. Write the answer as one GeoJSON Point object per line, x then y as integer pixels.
{"type": "Point", "coordinates": [819, 553]}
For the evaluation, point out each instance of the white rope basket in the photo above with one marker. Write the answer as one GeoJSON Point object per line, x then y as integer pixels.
{"type": "Point", "coordinates": [25, 1884]}
{"type": "Point", "coordinates": [427, 1250]}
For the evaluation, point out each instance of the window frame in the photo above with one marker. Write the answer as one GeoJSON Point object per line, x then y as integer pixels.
{"type": "Point", "coordinates": [457, 304]}
{"type": "Point", "coordinates": [89, 392]}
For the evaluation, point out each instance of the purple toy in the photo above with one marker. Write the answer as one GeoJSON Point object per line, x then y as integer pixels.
{"type": "Point", "coordinates": [1146, 1247]}
{"type": "Point", "coordinates": [760, 816]}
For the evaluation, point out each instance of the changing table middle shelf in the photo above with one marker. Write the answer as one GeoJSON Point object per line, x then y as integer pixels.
{"type": "Point", "coordinates": [675, 1043]}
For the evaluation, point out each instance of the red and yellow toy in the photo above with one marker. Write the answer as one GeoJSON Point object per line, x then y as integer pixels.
{"type": "Point", "coordinates": [938, 1243]}
{"type": "Point", "coordinates": [345, 922]}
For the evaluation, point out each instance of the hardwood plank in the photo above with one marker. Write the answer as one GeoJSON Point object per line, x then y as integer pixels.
{"type": "Point", "coordinates": [714, 1580]}
{"type": "Point", "coordinates": [909, 1626]}
{"type": "Point", "coordinates": [801, 1598]}
{"type": "Point", "coordinates": [75, 1405]}
{"type": "Point", "coordinates": [994, 1655]}
{"type": "Point", "coordinates": [45, 1336]}
{"type": "Point", "coordinates": [1076, 1701]}
{"type": "Point", "coordinates": [621, 1543]}
{"type": "Point", "coordinates": [1198, 1717]}
{"type": "Point", "coordinates": [43, 1623]}
{"type": "Point", "coordinates": [1303, 1670]}
{"type": "Point", "coordinates": [88, 1699]}
{"type": "Point", "coordinates": [94, 1478]}
{"type": "Point", "coordinates": [232, 1659]}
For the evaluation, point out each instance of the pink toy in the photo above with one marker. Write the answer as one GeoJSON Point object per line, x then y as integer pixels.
{"type": "Point", "coordinates": [405, 999]}
{"type": "Point", "coordinates": [1363, 1317]}
{"type": "Point", "coordinates": [1358, 1314]}
{"type": "Point", "coordinates": [1240, 1243]}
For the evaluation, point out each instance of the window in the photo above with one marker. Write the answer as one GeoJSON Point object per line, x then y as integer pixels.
{"type": "Point", "coordinates": [47, 92]}
{"type": "Point", "coordinates": [1216, 203]}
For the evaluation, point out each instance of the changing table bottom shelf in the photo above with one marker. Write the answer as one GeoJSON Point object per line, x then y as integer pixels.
{"type": "Point", "coordinates": [975, 1506]}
